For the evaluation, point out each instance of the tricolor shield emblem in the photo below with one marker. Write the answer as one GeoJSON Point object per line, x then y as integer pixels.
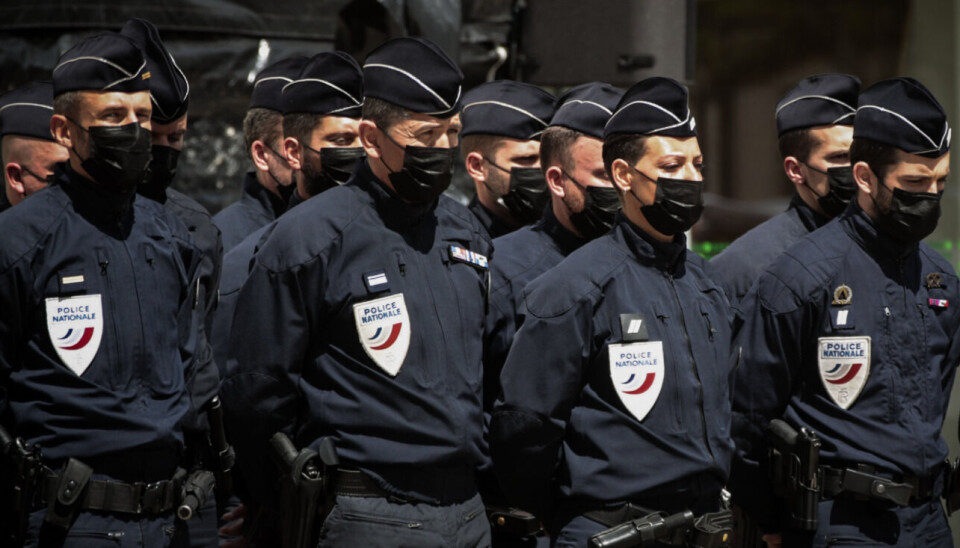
{"type": "Point", "coordinates": [384, 330]}
{"type": "Point", "coordinates": [844, 364]}
{"type": "Point", "coordinates": [637, 371]}
{"type": "Point", "coordinates": [75, 326]}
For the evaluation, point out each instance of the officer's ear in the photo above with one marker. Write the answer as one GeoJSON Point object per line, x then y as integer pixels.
{"type": "Point", "coordinates": [791, 166]}
{"type": "Point", "coordinates": [292, 151]}
{"type": "Point", "coordinates": [13, 173]}
{"type": "Point", "coordinates": [621, 174]}
{"type": "Point", "coordinates": [259, 152]}
{"type": "Point", "coordinates": [864, 176]}
{"type": "Point", "coordinates": [370, 138]}
{"type": "Point", "coordinates": [475, 168]}
{"type": "Point", "coordinates": [554, 177]}
{"type": "Point", "coordinates": [60, 130]}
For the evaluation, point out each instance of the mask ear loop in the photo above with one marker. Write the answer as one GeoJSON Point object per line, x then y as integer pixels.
{"type": "Point", "coordinates": [634, 194]}
{"type": "Point", "coordinates": [396, 144]}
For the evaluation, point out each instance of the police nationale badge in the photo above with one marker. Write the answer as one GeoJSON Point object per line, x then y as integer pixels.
{"type": "Point", "coordinates": [844, 364]}
{"type": "Point", "coordinates": [637, 371]}
{"type": "Point", "coordinates": [384, 330]}
{"type": "Point", "coordinates": [75, 326]}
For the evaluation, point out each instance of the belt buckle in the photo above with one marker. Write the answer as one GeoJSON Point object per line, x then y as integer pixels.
{"type": "Point", "coordinates": [151, 500]}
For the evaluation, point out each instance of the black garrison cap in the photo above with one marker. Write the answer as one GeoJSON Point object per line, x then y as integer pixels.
{"type": "Point", "coordinates": [330, 83]}
{"type": "Point", "coordinates": [169, 89]}
{"type": "Point", "coordinates": [654, 106]}
{"type": "Point", "coordinates": [902, 113]}
{"type": "Point", "coordinates": [268, 86]}
{"type": "Point", "coordinates": [507, 108]}
{"type": "Point", "coordinates": [415, 74]}
{"type": "Point", "coordinates": [819, 100]}
{"type": "Point", "coordinates": [26, 111]}
{"type": "Point", "coordinates": [587, 108]}
{"type": "Point", "coordinates": [105, 62]}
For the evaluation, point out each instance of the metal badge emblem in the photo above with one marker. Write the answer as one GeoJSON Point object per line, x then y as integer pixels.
{"type": "Point", "coordinates": [842, 295]}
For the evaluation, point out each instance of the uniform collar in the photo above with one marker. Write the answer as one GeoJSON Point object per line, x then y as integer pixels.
{"type": "Point", "coordinates": [666, 256]}
{"type": "Point", "coordinates": [494, 225]}
{"type": "Point", "coordinates": [566, 241]}
{"type": "Point", "coordinates": [295, 200]}
{"type": "Point", "coordinates": [862, 228]}
{"type": "Point", "coordinates": [4, 203]}
{"type": "Point", "coordinates": [93, 201]}
{"type": "Point", "coordinates": [811, 219]}
{"type": "Point", "coordinates": [270, 201]}
{"type": "Point", "coordinates": [390, 207]}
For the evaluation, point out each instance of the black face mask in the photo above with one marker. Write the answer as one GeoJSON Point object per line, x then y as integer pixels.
{"type": "Point", "coordinates": [528, 193]}
{"type": "Point", "coordinates": [842, 189]}
{"type": "Point", "coordinates": [600, 207]}
{"type": "Point", "coordinates": [676, 206]}
{"type": "Point", "coordinates": [425, 174]}
{"type": "Point", "coordinates": [163, 168]}
{"type": "Point", "coordinates": [119, 156]}
{"type": "Point", "coordinates": [910, 216]}
{"type": "Point", "coordinates": [336, 167]}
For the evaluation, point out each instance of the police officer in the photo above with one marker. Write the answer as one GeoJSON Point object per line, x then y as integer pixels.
{"type": "Point", "coordinates": [374, 294]}
{"type": "Point", "coordinates": [615, 388]}
{"type": "Point", "coordinates": [502, 124]}
{"type": "Point", "coordinates": [266, 190]}
{"type": "Point", "coordinates": [27, 147]}
{"type": "Point", "coordinates": [815, 127]}
{"type": "Point", "coordinates": [322, 141]}
{"type": "Point", "coordinates": [96, 318]}
{"type": "Point", "coordinates": [852, 334]}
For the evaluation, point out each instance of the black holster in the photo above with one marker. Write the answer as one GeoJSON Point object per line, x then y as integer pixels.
{"type": "Point", "coordinates": [506, 522]}
{"type": "Point", "coordinates": [305, 493]}
{"type": "Point", "coordinates": [951, 488]}
{"type": "Point", "coordinates": [794, 461]}
{"type": "Point", "coordinates": [222, 455]}
{"type": "Point", "coordinates": [681, 529]}
{"type": "Point", "coordinates": [20, 479]}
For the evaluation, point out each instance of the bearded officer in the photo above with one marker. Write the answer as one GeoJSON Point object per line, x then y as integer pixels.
{"type": "Point", "coordinates": [502, 124]}
{"type": "Point", "coordinates": [322, 141]}
{"type": "Point", "coordinates": [375, 291]}
{"type": "Point", "coordinates": [615, 389]}
{"type": "Point", "coordinates": [96, 308]}
{"type": "Point", "coordinates": [27, 148]}
{"type": "Point", "coordinates": [815, 127]}
{"type": "Point", "coordinates": [268, 188]}
{"type": "Point", "coordinates": [852, 335]}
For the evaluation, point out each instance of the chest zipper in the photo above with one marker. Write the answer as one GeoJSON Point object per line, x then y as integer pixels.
{"type": "Point", "coordinates": [693, 361]}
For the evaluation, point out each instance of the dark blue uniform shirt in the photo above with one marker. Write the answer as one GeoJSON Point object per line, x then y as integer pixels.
{"type": "Point", "coordinates": [741, 263]}
{"type": "Point", "coordinates": [892, 420]}
{"type": "Point", "coordinates": [336, 291]}
{"type": "Point", "coordinates": [256, 207]}
{"type": "Point", "coordinates": [491, 222]}
{"type": "Point", "coordinates": [133, 267]}
{"type": "Point", "coordinates": [562, 427]}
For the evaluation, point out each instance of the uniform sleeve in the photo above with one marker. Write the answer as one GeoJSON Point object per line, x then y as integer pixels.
{"type": "Point", "coordinates": [767, 342]}
{"type": "Point", "coordinates": [11, 334]}
{"type": "Point", "coordinates": [540, 381]}
{"type": "Point", "coordinates": [499, 329]}
{"type": "Point", "coordinates": [268, 342]}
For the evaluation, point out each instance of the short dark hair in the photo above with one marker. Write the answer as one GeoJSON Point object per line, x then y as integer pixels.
{"type": "Point", "coordinates": [555, 143]}
{"type": "Point", "coordinates": [798, 143]}
{"type": "Point", "coordinates": [300, 125]}
{"type": "Point", "coordinates": [260, 124]}
{"type": "Point", "coordinates": [877, 155]}
{"type": "Point", "coordinates": [383, 113]}
{"type": "Point", "coordinates": [67, 104]}
{"type": "Point", "coordinates": [627, 146]}
{"type": "Point", "coordinates": [486, 145]}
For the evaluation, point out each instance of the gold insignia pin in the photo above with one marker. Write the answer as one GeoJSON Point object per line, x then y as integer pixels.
{"type": "Point", "coordinates": [934, 280]}
{"type": "Point", "coordinates": [145, 76]}
{"type": "Point", "coordinates": [842, 295]}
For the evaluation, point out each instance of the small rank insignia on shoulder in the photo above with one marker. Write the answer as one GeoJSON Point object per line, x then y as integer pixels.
{"type": "Point", "coordinates": [938, 303]}
{"type": "Point", "coordinates": [842, 295]}
{"type": "Point", "coordinates": [633, 328]}
{"type": "Point", "coordinates": [376, 281]}
{"type": "Point", "coordinates": [934, 281]}
{"type": "Point", "coordinates": [458, 253]}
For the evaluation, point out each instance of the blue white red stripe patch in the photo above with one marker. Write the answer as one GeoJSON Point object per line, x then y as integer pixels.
{"type": "Point", "coordinates": [458, 253]}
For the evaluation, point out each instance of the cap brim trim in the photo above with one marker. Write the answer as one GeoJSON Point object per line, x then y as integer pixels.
{"type": "Point", "coordinates": [4, 107]}
{"type": "Point", "coordinates": [936, 147]}
{"type": "Point", "coordinates": [658, 107]}
{"type": "Point", "coordinates": [325, 82]}
{"type": "Point", "coordinates": [583, 102]}
{"type": "Point", "coordinates": [420, 83]}
{"type": "Point", "coordinates": [269, 78]}
{"type": "Point", "coordinates": [507, 105]}
{"type": "Point", "coordinates": [106, 62]}
{"type": "Point", "coordinates": [351, 107]}
{"type": "Point", "coordinates": [822, 97]}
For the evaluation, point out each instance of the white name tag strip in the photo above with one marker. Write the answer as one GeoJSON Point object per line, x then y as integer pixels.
{"type": "Point", "coordinates": [637, 371]}
{"type": "Point", "coordinates": [844, 364]}
{"type": "Point", "coordinates": [383, 326]}
{"type": "Point", "coordinates": [75, 326]}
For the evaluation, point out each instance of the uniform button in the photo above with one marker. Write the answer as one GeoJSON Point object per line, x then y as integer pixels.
{"type": "Point", "coordinates": [71, 484]}
{"type": "Point", "coordinates": [879, 488]}
{"type": "Point", "coordinates": [501, 521]}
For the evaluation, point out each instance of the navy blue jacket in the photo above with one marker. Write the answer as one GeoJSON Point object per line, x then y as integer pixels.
{"type": "Point", "coordinates": [562, 430]}
{"type": "Point", "coordinates": [788, 319]}
{"type": "Point", "coordinates": [256, 207]}
{"type": "Point", "coordinates": [4, 203]}
{"type": "Point", "coordinates": [299, 363]}
{"type": "Point", "coordinates": [741, 263]}
{"type": "Point", "coordinates": [492, 224]}
{"type": "Point", "coordinates": [122, 414]}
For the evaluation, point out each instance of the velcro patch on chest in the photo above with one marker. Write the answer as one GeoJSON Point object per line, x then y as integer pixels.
{"type": "Point", "coordinates": [637, 374]}
{"type": "Point", "coordinates": [75, 327]}
{"type": "Point", "coordinates": [633, 328]}
{"type": "Point", "coordinates": [844, 365]}
{"type": "Point", "coordinates": [464, 255]}
{"type": "Point", "coordinates": [383, 327]}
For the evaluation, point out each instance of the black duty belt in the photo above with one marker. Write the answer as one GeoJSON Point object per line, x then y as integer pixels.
{"type": "Point", "coordinates": [354, 483]}
{"type": "Point", "coordinates": [861, 481]}
{"type": "Point", "coordinates": [114, 496]}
